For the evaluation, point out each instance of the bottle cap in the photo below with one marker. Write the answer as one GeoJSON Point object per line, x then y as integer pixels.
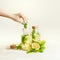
{"type": "Point", "coordinates": [34, 27]}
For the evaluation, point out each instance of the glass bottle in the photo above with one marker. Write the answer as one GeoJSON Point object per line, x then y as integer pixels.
{"type": "Point", "coordinates": [35, 34]}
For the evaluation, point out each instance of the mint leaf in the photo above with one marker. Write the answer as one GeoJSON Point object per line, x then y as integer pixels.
{"type": "Point", "coordinates": [25, 25]}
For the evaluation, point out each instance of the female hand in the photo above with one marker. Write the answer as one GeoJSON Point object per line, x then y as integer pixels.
{"type": "Point", "coordinates": [18, 17]}
{"type": "Point", "coordinates": [21, 18]}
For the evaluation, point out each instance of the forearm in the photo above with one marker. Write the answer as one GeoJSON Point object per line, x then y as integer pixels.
{"type": "Point", "coordinates": [7, 15]}
{"type": "Point", "coordinates": [15, 17]}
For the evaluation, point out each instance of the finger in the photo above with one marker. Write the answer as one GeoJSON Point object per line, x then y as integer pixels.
{"type": "Point", "coordinates": [23, 17]}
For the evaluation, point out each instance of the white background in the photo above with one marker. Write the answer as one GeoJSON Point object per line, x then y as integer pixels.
{"type": "Point", "coordinates": [45, 14]}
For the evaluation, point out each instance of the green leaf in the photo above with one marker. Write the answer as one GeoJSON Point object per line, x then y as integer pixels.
{"type": "Point", "coordinates": [41, 50]}
{"type": "Point", "coordinates": [19, 46]}
{"type": "Point", "coordinates": [32, 50]}
{"type": "Point", "coordinates": [24, 38]}
{"type": "Point", "coordinates": [42, 47]}
{"type": "Point", "coordinates": [42, 42]}
{"type": "Point", "coordinates": [25, 25]}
